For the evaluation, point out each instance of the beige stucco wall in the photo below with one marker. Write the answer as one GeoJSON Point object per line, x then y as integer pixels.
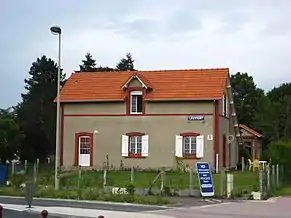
{"type": "Point", "coordinates": [161, 130]}
{"type": "Point", "coordinates": [226, 127]}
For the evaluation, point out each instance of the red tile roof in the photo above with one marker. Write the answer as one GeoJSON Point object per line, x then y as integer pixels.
{"type": "Point", "coordinates": [250, 130]}
{"type": "Point", "coordinates": [200, 84]}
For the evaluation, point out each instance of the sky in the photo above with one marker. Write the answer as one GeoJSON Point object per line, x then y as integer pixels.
{"type": "Point", "coordinates": [251, 36]}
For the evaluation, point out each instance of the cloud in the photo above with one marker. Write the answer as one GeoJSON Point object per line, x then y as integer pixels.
{"type": "Point", "coordinates": [245, 35]}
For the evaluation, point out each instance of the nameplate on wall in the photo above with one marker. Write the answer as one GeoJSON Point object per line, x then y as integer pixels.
{"type": "Point", "coordinates": [195, 118]}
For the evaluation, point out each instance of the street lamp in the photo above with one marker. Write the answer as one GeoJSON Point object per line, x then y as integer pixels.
{"type": "Point", "coordinates": [56, 30]}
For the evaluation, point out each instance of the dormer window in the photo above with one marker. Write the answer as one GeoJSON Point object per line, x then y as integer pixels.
{"type": "Point", "coordinates": [136, 102]}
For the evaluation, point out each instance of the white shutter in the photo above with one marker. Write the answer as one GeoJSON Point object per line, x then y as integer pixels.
{"type": "Point", "coordinates": [145, 146]}
{"type": "Point", "coordinates": [200, 146]}
{"type": "Point", "coordinates": [179, 146]}
{"type": "Point", "coordinates": [222, 106]}
{"type": "Point", "coordinates": [226, 106]}
{"type": "Point", "coordinates": [124, 148]}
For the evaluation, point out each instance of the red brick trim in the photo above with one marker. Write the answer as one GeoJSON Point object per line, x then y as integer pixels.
{"type": "Point", "coordinates": [130, 89]}
{"type": "Point", "coordinates": [189, 134]}
{"type": "Point", "coordinates": [130, 134]}
{"type": "Point", "coordinates": [216, 131]}
{"type": "Point", "coordinates": [135, 134]}
{"type": "Point", "coordinates": [122, 115]}
{"type": "Point", "coordinates": [77, 136]}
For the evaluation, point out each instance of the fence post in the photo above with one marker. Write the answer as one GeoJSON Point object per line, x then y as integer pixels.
{"type": "Point", "coordinates": [105, 177]}
{"type": "Point", "coordinates": [79, 177]}
{"type": "Point", "coordinates": [43, 213]}
{"type": "Point", "coordinates": [37, 164]}
{"type": "Point", "coordinates": [222, 182]}
{"type": "Point", "coordinates": [131, 175]}
{"type": "Point", "coordinates": [162, 179]}
{"type": "Point", "coordinates": [242, 164]}
{"type": "Point", "coordinates": [25, 166]}
{"type": "Point", "coordinates": [1, 211]}
{"type": "Point", "coordinates": [268, 178]}
{"type": "Point", "coordinates": [261, 181]}
{"type": "Point", "coordinates": [12, 167]}
{"type": "Point", "coordinates": [35, 173]}
{"type": "Point", "coordinates": [191, 182]}
{"type": "Point", "coordinates": [277, 176]}
{"type": "Point", "coordinates": [273, 177]}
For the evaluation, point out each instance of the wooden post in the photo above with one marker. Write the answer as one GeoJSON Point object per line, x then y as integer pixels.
{"type": "Point", "coordinates": [132, 175]}
{"type": "Point", "coordinates": [44, 214]}
{"type": "Point", "coordinates": [25, 166]}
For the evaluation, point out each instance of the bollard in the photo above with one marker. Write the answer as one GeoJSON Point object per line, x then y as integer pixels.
{"type": "Point", "coordinates": [1, 210]}
{"type": "Point", "coordinates": [43, 214]}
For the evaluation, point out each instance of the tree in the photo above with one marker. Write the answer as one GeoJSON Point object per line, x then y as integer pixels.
{"type": "Point", "coordinates": [280, 152]}
{"type": "Point", "coordinates": [10, 139]}
{"type": "Point", "coordinates": [246, 95]}
{"type": "Point", "coordinates": [126, 64]}
{"type": "Point", "coordinates": [36, 113]}
{"type": "Point", "coordinates": [89, 64]}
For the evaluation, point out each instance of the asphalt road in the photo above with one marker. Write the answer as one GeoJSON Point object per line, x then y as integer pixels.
{"type": "Point", "coordinates": [97, 206]}
{"type": "Point", "coordinates": [103, 206]}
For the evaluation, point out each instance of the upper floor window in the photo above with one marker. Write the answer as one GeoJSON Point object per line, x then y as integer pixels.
{"type": "Point", "coordinates": [136, 102]}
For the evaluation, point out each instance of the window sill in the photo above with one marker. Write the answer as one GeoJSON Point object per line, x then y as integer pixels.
{"type": "Point", "coordinates": [135, 156]}
{"type": "Point", "coordinates": [191, 157]}
{"type": "Point", "coordinates": [135, 114]}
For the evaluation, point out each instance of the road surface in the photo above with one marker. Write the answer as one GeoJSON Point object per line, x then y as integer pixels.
{"type": "Point", "coordinates": [276, 207]}
{"type": "Point", "coordinates": [19, 214]}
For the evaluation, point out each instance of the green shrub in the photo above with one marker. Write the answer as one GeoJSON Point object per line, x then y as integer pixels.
{"type": "Point", "coordinates": [130, 189]}
{"type": "Point", "coordinates": [17, 180]}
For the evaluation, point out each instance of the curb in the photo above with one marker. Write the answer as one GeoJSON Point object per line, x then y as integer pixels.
{"type": "Point", "coordinates": [95, 202]}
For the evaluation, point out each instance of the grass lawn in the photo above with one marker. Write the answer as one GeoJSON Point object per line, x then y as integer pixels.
{"type": "Point", "coordinates": [242, 180]}
{"type": "Point", "coordinates": [284, 191]}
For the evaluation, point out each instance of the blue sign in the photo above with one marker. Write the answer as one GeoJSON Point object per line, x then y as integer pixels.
{"type": "Point", "coordinates": [205, 179]}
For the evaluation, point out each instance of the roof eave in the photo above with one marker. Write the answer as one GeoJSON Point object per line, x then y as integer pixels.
{"type": "Point", "coordinates": [135, 76]}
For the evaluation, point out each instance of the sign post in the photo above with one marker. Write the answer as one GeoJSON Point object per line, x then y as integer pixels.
{"type": "Point", "coordinates": [205, 179]}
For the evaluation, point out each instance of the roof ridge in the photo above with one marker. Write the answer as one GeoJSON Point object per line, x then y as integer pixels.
{"type": "Point", "coordinates": [161, 70]}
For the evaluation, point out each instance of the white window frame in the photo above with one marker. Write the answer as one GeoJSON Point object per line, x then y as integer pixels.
{"type": "Point", "coordinates": [132, 94]}
{"type": "Point", "coordinates": [191, 138]}
{"type": "Point", "coordinates": [135, 138]}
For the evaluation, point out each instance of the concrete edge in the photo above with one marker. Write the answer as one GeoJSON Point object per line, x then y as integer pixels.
{"type": "Point", "coordinates": [96, 202]}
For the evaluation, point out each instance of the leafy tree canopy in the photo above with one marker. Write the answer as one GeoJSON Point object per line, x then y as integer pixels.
{"type": "Point", "coordinates": [126, 64]}
{"type": "Point", "coordinates": [36, 112]}
{"type": "Point", "coordinates": [246, 95]}
{"type": "Point", "coordinates": [10, 139]}
{"type": "Point", "coordinates": [89, 64]}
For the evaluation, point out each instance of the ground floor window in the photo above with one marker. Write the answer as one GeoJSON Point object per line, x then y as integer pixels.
{"type": "Point", "coordinates": [189, 145]}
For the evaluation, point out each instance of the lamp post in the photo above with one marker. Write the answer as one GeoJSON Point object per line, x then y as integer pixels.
{"type": "Point", "coordinates": [56, 30]}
